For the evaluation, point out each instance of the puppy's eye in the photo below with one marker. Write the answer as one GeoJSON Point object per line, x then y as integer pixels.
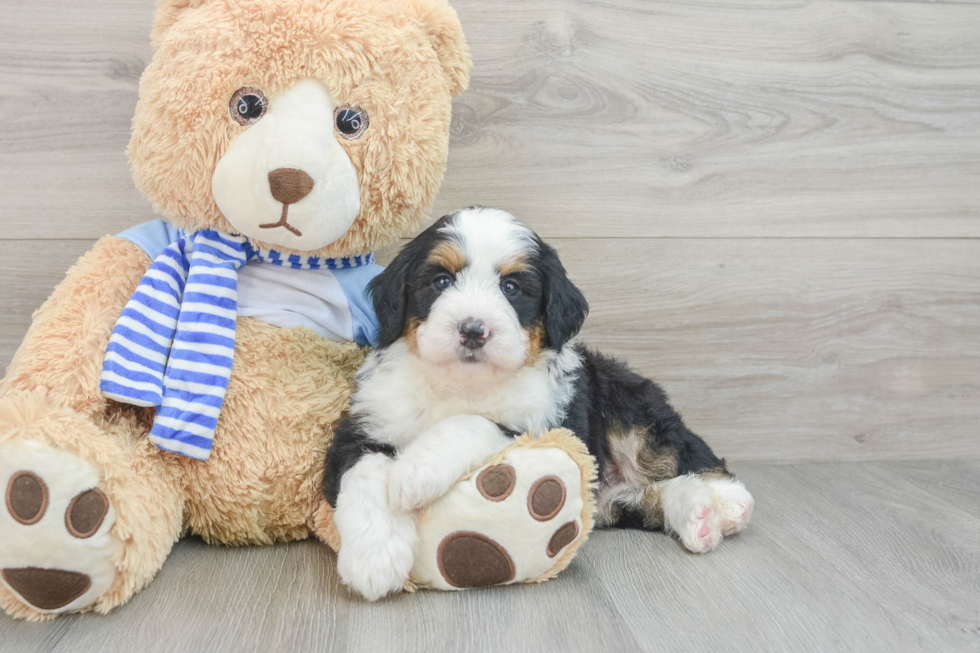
{"type": "Point", "coordinates": [248, 105]}
{"type": "Point", "coordinates": [509, 287]}
{"type": "Point", "coordinates": [442, 281]}
{"type": "Point", "coordinates": [350, 122]}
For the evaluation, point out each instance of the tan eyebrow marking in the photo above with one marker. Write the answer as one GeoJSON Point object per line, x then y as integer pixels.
{"type": "Point", "coordinates": [448, 256]}
{"type": "Point", "coordinates": [513, 265]}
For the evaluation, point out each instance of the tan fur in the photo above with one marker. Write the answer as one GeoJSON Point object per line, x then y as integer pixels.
{"type": "Point", "coordinates": [448, 256]}
{"type": "Point", "coordinates": [653, 509]}
{"type": "Point", "coordinates": [535, 343]}
{"type": "Point", "coordinates": [263, 481]}
{"type": "Point", "coordinates": [513, 265]}
{"type": "Point", "coordinates": [324, 526]}
{"type": "Point", "coordinates": [635, 462]}
{"type": "Point", "coordinates": [411, 336]}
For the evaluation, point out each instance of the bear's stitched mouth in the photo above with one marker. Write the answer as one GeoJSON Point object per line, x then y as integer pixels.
{"type": "Point", "coordinates": [282, 222]}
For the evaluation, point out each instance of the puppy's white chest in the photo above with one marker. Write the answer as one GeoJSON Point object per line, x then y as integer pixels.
{"type": "Point", "coordinates": [400, 401]}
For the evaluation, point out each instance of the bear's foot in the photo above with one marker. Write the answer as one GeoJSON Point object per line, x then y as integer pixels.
{"type": "Point", "coordinates": [56, 545]}
{"type": "Point", "coordinates": [89, 513]}
{"type": "Point", "coordinates": [519, 518]}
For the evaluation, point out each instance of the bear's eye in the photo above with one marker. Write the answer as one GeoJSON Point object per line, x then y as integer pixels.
{"type": "Point", "coordinates": [350, 121]}
{"type": "Point", "coordinates": [248, 105]}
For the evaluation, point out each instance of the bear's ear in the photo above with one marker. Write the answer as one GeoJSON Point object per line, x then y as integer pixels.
{"type": "Point", "coordinates": [442, 25]}
{"type": "Point", "coordinates": [166, 16]}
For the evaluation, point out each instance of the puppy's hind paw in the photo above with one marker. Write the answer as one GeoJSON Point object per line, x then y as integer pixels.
{"type": "Point", "coordinates": [702, 532]}
{"type": "Point", "coordinates": [734, 503]}
{"type": "Point", "coordinates": [689, 512]}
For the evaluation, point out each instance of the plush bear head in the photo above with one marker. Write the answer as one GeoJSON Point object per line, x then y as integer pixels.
{"type": "Point", "coordinates": [311, 126]}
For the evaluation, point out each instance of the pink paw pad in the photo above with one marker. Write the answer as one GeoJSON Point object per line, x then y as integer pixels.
{"type": "Point", "coordinates": [705, 529]}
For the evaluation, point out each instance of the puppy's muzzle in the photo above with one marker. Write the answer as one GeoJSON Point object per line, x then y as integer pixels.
{"type": "Point", "coordinates": [473, 334]}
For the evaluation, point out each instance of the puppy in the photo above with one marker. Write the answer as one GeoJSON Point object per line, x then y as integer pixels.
{"type": "Point", "coordinates": [477, 323]}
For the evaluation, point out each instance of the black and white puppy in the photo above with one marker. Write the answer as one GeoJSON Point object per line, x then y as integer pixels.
{"type": "Point", "coordinates": [477, 324]}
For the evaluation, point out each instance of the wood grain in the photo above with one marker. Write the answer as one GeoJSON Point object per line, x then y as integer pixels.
{"type": "Point", "coordinates": [779, 350]}
{"type": "Point", "coordinates": [591, 119]}
{"type": "Point", "coordinates": [773, 208]}
{"type": "Point", "coordinates": [849, 557]}
{"type": "Point", "coordinates": [630, 117]}
{"type": "Point", "coordinates": [798, 349]}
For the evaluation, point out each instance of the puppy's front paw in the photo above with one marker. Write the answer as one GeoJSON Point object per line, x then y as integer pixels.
{"type": "Point", "coordinates": [377, 545]}
{"type": "Point", "coordinates": [413, 485]}
{"type": "Point", "coordinates": [376, 571]}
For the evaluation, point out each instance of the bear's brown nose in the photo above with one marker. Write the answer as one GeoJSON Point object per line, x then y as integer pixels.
{"type": "Point", "coordinates": [289, 185]}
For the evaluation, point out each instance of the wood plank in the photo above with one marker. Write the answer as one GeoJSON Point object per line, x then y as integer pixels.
{"type": "Point", "coordinates": [798, 349]}
{"type": "Point", "coordinates": [723, 119]}
{"type": "Point", "coordinates": [954, 481]}
{"type": "Point", "coordinates": [825, 565]}
{"type": "Point", "coordinates": [614, 118]}
{"type": "Point", "coordinates": [31, 270]}
{"type": "Point", "coordinates": [779, 350]}
{"type": "Point", "coordinates": [68, 84]}
{"type": "Point", "coordinates": [870, 525]}
{"type": "Point", "coordinates": [838, 557]}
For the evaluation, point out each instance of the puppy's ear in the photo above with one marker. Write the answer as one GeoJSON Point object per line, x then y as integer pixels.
{"type": "Point", "coordinates": [565, 306]}
{"type": "Point", "coordinates": [390, 289]}
{"type": "Point", "coordinates": [389, 292]}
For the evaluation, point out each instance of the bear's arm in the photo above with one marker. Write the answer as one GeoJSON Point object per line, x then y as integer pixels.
{"type": "Point", "coordinates": [63, 351]}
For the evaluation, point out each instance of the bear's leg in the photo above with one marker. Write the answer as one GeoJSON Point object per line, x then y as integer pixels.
{"type": "Point", "coordinates": [91, 509]}
{"type": "Point", "coordinates": [519, 517]}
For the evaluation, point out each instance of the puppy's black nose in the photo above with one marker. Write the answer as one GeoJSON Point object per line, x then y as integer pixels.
{"type": "Point", "coordinates": [472, 333]}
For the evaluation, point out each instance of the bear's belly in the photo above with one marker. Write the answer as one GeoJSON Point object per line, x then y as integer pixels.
{"type": "Point", "coordinates": [262, 482]}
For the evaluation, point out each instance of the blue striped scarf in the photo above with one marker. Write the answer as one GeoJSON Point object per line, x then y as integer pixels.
{"type": "Point", "coordinates": [174, 343]}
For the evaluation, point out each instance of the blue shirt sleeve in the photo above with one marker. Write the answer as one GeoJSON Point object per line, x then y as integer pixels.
{"type": "Point", "coordinates": [152, 237]}
{"type": "Point", "coordinates": [354, 282]}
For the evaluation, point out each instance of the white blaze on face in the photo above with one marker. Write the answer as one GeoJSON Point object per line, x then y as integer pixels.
{"type": "Point", "coordinates": [296, 134]}
{"type": "Point", "coordinates": [488, 238]}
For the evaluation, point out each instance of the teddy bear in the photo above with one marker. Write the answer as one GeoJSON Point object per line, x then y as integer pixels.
{"type": "Point", "coordinates": [185, 376]}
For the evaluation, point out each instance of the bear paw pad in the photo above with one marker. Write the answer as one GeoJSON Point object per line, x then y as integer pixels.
{"type": "Point", "coordinates": [507, 523]}
{"type": "Point", "coordinates": [56, 550]}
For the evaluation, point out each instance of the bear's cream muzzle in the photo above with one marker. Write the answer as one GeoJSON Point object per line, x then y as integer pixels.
{"type": "Point", "coordinates": [286, 181]}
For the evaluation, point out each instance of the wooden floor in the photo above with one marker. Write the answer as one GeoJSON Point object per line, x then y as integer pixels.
{"type": "Point", "coordinates": [840, 557]}
{"type": "Point", "coordinates": [774, 209]}
{"type": "Point", "coordinates": [772, 205]}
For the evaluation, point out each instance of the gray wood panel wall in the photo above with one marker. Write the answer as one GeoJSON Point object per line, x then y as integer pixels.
{"type": "Point", "coordinates": [773, 206]}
